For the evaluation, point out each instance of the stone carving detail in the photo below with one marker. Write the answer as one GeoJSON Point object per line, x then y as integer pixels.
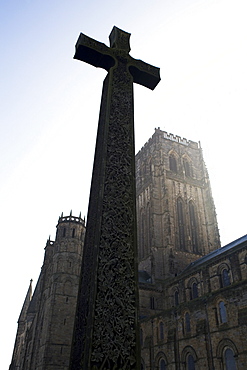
{"type": "Point", "coordinates": [115, 300]}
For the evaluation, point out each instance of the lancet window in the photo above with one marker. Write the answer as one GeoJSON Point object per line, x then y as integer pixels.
{"type": "Point", "coordinates": [181, 226]}
{"type": "Point", "coordinates": [176, 298]}
{"type": "Point", "coordinates": [161, 331]}
{"type": "Point", "coordinates": [173, 163]}
{"type": "Point", "coordinates": [222, 312]}
{"type": "Point", "coordinates": [187, 323]}
{"type": "Point", "coordinates": [225, 278]}
{"type": "Point", "coordinates": [187, 168]}
{"type": "Point", "coordinates": [193, 227]}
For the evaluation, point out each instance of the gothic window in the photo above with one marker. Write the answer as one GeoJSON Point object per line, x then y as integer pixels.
{"type": "Point", "coordinates": [187, 168]}
{"type": "Point", "coordinates": [225, 279]}
{"type": "Point", "coordinates": [162, 364]}
{"type": "Point", "coordinates": [176, 298]}
{"type": "Point", "coordinates": [194, 291]}
{"type": "Point", "coordinates": [229, 360]}
{"type": "Point", "coordinates": [193, 228]}
{"type": "Point", "coordinates": [190, 362]}
{"type": "Point", "coordinates": [222, 312]}
{"type": "Point", "coordinates": [181, 225]}
{"type": "Point", "coordinates": [161, 331]}
{"type": "Point", "coordinates": [187, 322]}
{"type": "Point", "coordinates": [173, 163]}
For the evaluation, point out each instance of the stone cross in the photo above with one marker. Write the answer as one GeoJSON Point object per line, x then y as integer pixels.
{"type": "Point", "coordinates": [106, 334]}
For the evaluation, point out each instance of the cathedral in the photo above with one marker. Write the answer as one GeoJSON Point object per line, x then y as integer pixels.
{"type": "Point", "coordinates": [192, 291]}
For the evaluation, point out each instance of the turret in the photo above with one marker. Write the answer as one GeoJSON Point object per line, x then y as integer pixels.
{"type": "Point", "coordinates": [70, 227]}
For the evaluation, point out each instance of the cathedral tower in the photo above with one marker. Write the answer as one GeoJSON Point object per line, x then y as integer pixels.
{"type": "Point", "coordinates": [175, 209]}
{"type": "Point", "coordinates": [49, 318]}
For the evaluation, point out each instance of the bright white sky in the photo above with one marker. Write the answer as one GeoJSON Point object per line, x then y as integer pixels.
{"type": "Point", "coordinates": [50, 104]}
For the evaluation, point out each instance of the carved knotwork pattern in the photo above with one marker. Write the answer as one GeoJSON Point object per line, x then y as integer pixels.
{"type": "Point", "coordinates": [114, 332]}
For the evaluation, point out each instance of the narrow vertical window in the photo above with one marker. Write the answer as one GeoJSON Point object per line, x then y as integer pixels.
{"type": "Point", "coordinates": [176, 298]}
{"type": "Point", "coordinates": [149, 240]}
{"type": "Point", "coordinates": [222, 312]}
{"type": "Point", "coordinates": [161, 330]}
{"type": "Point", "coordinates": [187, 170]}
{"type": "Point", "coordinates": [73, 233]}
{"type": "Point", "coordinates": [152, 303]}
{"type": "Point", "coordinates": [225, 279]}
{"type": "Point", "coordinates": [142, 238]}
{"type": "Point", "coordinates": [64, 231]}
{"type": "Point", "coordinates": [173, 163]}
{"type": "Point", "coordinates": [181, 224]}
{"type": "Point", "coordinates": [194, 291]}
{"type": "Point", "coordinates": [193, 228]}
{"type": "Point", "coordinates": [187, 322]}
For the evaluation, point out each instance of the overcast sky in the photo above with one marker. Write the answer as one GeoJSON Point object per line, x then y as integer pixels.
{"type": "Point", "coordinates": [50, 104]}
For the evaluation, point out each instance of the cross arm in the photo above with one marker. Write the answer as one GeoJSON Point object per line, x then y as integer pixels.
{"type": "Point", "coordinates": [93, 52]}
{"type": "Point", "coordinates": [144, 74]}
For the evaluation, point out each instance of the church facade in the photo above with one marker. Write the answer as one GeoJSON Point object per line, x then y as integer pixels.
{"type": "Point", "coordinates": [193, 294]}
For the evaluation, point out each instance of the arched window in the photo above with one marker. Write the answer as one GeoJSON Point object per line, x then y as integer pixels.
{"type": "Point", "coordinates": [187, 169]}
{"type": "Point", "coordinates": [181, 225]}
{"type": "Point", "coordinates": [229, 360]}
{"type": "Point", "coordinates": [190, 362]}
{"type": "Point", "coordinates": [225, 279]}
{"type": "Point", "coordinates": [173, 163]}
{"type": "Point", "coordinates": [222, 312]}
{"type": "Point", "coordinates": [162, 364]}
{"type": "Point", "coordinates": [193, 227]}
{"type": "Point", "coordinates": [161, 331]}
{"type": "Point", "coordinates": [176, 298]}
{"type": "Point", "coordinates": [194, 291]}
{"type": "Point", "coordinates": [187, 322]}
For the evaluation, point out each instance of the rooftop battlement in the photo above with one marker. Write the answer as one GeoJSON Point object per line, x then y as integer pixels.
{"type": "Point", "coordinates": [168, 136]}
{"type": "Point", "coordinates": [71, 218]}
{"type": "Point", "coordinates": [178, 139]}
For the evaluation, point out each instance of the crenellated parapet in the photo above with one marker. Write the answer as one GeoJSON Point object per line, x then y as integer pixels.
{"type": "Point", "coordinates": [71, 218]}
